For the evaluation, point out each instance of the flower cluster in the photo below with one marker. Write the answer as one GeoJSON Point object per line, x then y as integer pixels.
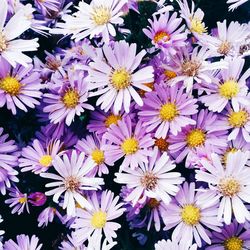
{"type": "Point", "coordinates": [124, 131]}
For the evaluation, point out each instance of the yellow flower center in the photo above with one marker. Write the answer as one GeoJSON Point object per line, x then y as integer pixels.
{"type": "Point", "coordinates": [162, 144]}
{"type": "Point", "coordinates": [153, 203]}
{"type": "Point", "coordinates": [45, 160]}
{"type": "Point", "coordinates": [229, 186]}
{"type": "Point", "coordinates": [99, 219]}
{"type": "Point", "coordinates": [190, 215]}
{"type": "Point", "coordinates": [22, 200]}
{"type": "Point", "coordinates": [168, 112]}
{"type": "Point", "coordinates": [229, 89]}
{"type": "Point", "coordinates": [112, 119]}
{"type": "Point", "coordinates": [72, 183]}
{"type": "Point", "coordinates": [130, 146]}
{"type": "Point", "coordinates": [191, 67]}
{"type": "Point", "coordinates": [10, 85]}
{"type": "Point", "coordinates": [224, 48]}
{"type": "Point", "coordinates": [170, 74]}
{"type": "Point", "coordinates": [101, 15]}
{"type": "Point", "coordinates": [196, 138]}
{"type": "Point", "coordinates": [228, 151]}
{"type": "Point", "coordinates": [98, 156]}
{"type": "Point", "coordinates": [120, 79]}
{"type": "Point", "coordinates": [233, 243]}
{"type": "Point", "coordinates": [149, 180]}
{"type": "Point", "coordinates": [197, 26]}
{"type": "Point", "coordinates": [71, 98]}
{"type": "Point", "coordinates": [238, 119]}
{"type": "Point", "coordinates": [3, 43]}
{"type": "Point", "coordinates": [161, 35]}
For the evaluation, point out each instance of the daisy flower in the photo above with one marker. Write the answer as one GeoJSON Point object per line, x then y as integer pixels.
{"type": "Point", "coordinates": [152, 180]}
{"type": "Point", "coordinates": [230, 183]}
{"type": "Point", "coordinates": [128, 141]}
{"type": "Point", "coordinates": [233, 236]}
{"type": "Point", "coordinates": [194, 67]}
{"type": "Point", "coordinates": [116, 77]}
{"type": "Point", "coordinates": [93, 223]}
{"type": "Point", "coordinates": [38, 159]}
{"type": "Point", "coordinates": [11, 48]}
{"type": "Point", "coordinates": [204, 135]}
{"type": "Point", "coordinates": [19, 201]}
{"type": "Point", "coordinates": [71, 180]}
{"type": "Point", "coordinates": [167, 109]}
{"type": "Point", "coordinates": [20, 87]}
{"type": "Point", "coordinates": [166, 32]}
{"type": "Point", "coordinates": [227, 39]}
{"type": "Point", "coordinates": [191, 213]}
{"type": "Point", "coordinates": [48, 215]}
{"type": "Point", "coordinates": [8, 161]}
{"type": "Point", "coordinates": [93, 148]}
{"type": "Point", "coordinates": [70, 100]}
{"type": "Point", "coordinates": [233, 4]}
{"type": "Point", "coordinates": [229, 87]}
{"type": "Point", "coordinates": [23, 242]}
{"type": "Point", "coordinates": [94, 19]}
{"type": "Point", "coordinates": [172, 245]}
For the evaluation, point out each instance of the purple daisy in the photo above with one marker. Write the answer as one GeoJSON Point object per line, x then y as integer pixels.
{"type": "Point", "coordinates": [167, 109]}
{"type": "Point", "coordinates": [115, 76]}
{"type": "Point", "coordinates": [8, 161]}
{"type": "Point", "coordinates": [202, 135]}
{"type": "Point", "coordinates": [65, 103]}
{"type": "Point", "coordinates": [166, 32]}
{"type": "Point", "coordinates": [128, 141]}
{"type": "Point", "coordinates": [20, 87]}
{"type": "Point", "coordinates": [48, 215]}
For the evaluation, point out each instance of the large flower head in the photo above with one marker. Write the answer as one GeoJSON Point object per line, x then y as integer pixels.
{"type": "Point", "coordinates": [166, 32]}
{"type": "Point", "coordinates": [204, 134]}
{"type": "Point", "coordinates": [20, 87]}
{"type": "Point", "coordinates": [8, 161]}
{"type": "Point", "coordinates": [65, 103]}
{"type": "Point", "coordinates": [229, 87]}
{"type": "Point", "coordinates": [92, 223]}
{"type": "Point", "coordinates": [167, 109]}
{"type": "Point", "coordinates": [94, 19]}
{"type": "Point", "coordinates": [191, 213]}
{"type": "Point", "coordinates": [71, 179]}
{"type": "Point", "coordinates": [230, 182]}
{"type": "Point", "coordinates": [152, 180]}
{"type": "Point", "coordinates": [128, 141]}
{"type": "Point", "coordinates": [11, 48]}
{"type": "Point", "coordinates": [116, 78]}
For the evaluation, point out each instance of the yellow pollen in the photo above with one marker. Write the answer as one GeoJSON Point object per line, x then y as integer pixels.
{"type": "Point", "coordinates": [22, 200]}
{"type": "Point", "coordinates": [161, 36]}
{"type": "Point", "coordinates": [233, 243]}
{"type": "Point", "coordinates": [10, 85]}
{"type": "Point", "coordinates": [170, 74]}
{"type": "Point", "coordinates": [168, 112]}
{"type": "Point", "coordinates": [153, 203]}
{"type": "Point", "coordinates": [71, 98]}
{"type": "Point", "coordinates": [101, 15]}
{"type": "Point", "coordinates": [228, 151]}
{"type": "Point", "coordinates": [98, 156]}
{"type": "Point", "coordinates": [197, 26]}
{"type": "Point", "coordinates": [162, 144]}
{"type": "Point", "coordinates": [72, 183]}
{"type": "Point", "coordinates": [224, 48]}
{"type": "Point", "coordinates": [99, 219]}
{"type": "Point", "coordinates": [130, 146]}
{"type": "Point", "coordinates": [195, 138]}
{"type": "Point", "coordinates": [45, 160]}
{"type": "Point", "coordinates": [191, 67]}
{"type": "Point", "coordinates": [190, 215]}
{"type": "Point", "coordinates": [3, 43]}
{"type": "Point", "coordinates": [229, 89]}
{"type": "Point", "coordinates": [112, 119]}
{"type": "Point", "coordinates": [238, 119]}
{"type": "Point", "coordinates": [149, 181]}
{"type": "Point", "coordinates": [229, 186]}
{"type": "Point", "coordinates": [120, 79]}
